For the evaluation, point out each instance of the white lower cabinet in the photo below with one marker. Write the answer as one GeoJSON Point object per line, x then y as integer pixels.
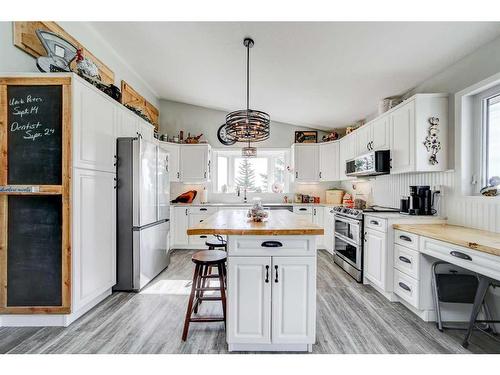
{"type": "Point", "coordinates": [375, 257]}
{"type": "Point", "coordinates": [318, 219]}
{"type": "Point", "coordinates": [94, 235]}
{"type": "Point", "coordinates": [271, 300]}
{"type": "Point", "coordinates": [249, 300]}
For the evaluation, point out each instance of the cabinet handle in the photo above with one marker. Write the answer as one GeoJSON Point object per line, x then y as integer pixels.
{"type": "Point", "coordinates": [405, 238]}
{"type": "Point", "coordinates": [178, 174]}
{"type": "Point", "coordinates": [319, 174]}
{"type": "Point", "coordinates": [186, 211]}
{"type": "Point", "coordinates": [296, 174]}
{"type": "Point", "coordinates": [271, 244]}
{"type": "Point", "coordinates": [203, 236]}
{"type": "Point", "coordinates": [203, 209]}
{"type": "Point", "coordinates": [116, 160]}
{"type": "Point", "coordinates": [276, 269]}
{"type": "Point", "coordinates": [460, 255]}
{"type": "Point", "coordinates": [302, 209]}
{"type": "Point", "coordinates": [201, 221]}
{"type": "Point", "coordinates": [166, 164]}
{"type": "Point", "coordinates": [314, 212]}
{"type": "Point", "coordinates": [116, 183]}
{"type": "Point", "coordinates": [405, 287]}
{"type": "Point", "coordinates": [404, 259]}
{"type": "Point", "coordinates": [374, 222]}
{"type": "Point", "coordinates": [205, 175]}
{"type": "Point", "coordinates": [267, 274]}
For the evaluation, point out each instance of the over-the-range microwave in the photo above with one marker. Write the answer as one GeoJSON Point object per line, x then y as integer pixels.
{"type": "Point", "coordinates": [373, 163]}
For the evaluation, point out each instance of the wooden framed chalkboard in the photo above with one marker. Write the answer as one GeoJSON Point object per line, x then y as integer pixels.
{"type": "Point", "coordinates": [35, 183]}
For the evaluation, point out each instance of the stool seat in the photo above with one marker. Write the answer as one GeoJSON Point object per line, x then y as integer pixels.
{"type": "Point", "coordinates": [214, 244]}
{"type": "Point", "coordinates": [208, 257]}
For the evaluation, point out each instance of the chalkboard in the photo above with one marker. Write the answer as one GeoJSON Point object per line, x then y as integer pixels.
{"type": "Point", "coordinates": [34, 251]}
{"type": "Point", "coordinates": [34, 135]}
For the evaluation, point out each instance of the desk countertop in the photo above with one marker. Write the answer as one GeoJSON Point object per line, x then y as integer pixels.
{"type": "Point", "coordinates": [480, 240]}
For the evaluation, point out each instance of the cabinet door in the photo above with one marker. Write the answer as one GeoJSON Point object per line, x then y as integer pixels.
{"type": "Point", "coordinates": [363, 137]}
{"type": "Point", "coordinates": [179, 226]}
{"type": "Point", "coordinates": [347, 148]}
{"type": "Point", "coordinates": [329, 161]}
{"type": "Point", "coordinates": [375, 257]}
{"type": "Point", "coordinates": [318, 220]}
{"type": "Point", "coordinates": [194, 163]}
{"type": "Point", "coordinates": [329, 223]}
{"type": "Point", "coordinates": [294, 300]}
{"type": "Point", "coordinates": [127, 123]}
{"type": "Point", "coordinates": [403, 139]}
{"type": "Point", "coordinates": [381, 134]}
{"type": "Point", "coordinates": [94, 133]}
{"type": "Point", "coordinates": [194, 219]}
{"type": "Point", "coordinates": [94, 234]}
{"type": "Point", "coordinates": [173, 160]}
{"type": "Point", "coordinates": [306, 161]}
{"type": "Point", "coordinates": [249, 300]}
{"type": "Point", "coordinates": [146, 130]}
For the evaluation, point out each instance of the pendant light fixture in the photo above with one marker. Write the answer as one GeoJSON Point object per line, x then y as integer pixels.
{"type": "Point", "coordinates": [248, 125]}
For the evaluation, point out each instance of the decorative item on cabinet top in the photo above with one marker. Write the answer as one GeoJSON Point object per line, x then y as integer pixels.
{"type": "Point", "coordinates": [134, 101]}
{"type": "Point", "coordinates": [332, 136]}
{"type": "Point", "coordinates": [306, 137]}
{"type": "Point", "coordinates": [60, 52]}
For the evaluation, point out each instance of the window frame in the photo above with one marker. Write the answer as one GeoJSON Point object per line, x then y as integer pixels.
{"type": "Point", "coordinates": [480, 173]}
{"type": "Point", "coordinates": [231, 172]}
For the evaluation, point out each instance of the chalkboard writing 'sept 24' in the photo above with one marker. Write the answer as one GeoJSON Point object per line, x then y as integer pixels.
{"type": "Point", "coordinates": [34, 135]}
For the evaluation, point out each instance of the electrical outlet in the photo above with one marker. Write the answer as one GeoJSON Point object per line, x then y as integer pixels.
{"type": "Point", "coordinates": [439, 188]}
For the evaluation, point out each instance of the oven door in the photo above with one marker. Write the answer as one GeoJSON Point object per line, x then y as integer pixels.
{"type": "Point", "coordinates": [348, 251]}
{"type": "Point", "coordinates": [348, 228]}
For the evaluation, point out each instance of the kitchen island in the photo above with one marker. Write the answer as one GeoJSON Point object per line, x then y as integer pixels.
{"type": "Point", "coordinates": [271, 279]}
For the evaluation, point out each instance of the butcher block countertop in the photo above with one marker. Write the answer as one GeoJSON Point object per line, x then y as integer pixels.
{"type": "Point", "coordinates": [480, 240]}
{"type": "Point", "coordinates": [235, 222]}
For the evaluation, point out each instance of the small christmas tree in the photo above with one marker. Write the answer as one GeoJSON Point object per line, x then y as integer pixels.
{"type": "Point", "coordinates": [246, 175]}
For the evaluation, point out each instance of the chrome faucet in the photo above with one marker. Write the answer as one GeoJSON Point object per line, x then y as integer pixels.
{"type": "Point", "coordinates": [238, 191]}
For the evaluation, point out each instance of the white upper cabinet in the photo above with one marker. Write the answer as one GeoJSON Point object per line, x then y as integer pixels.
{"type": "Point", "coordinates": [329, 161]}
{"type": "Point", "coordinates": [173, 160]}
{"type": "Point", "coordinates": [364, 137]}
{"type": "Point", "coordinates": [146, 130]}
{"type": "Point", "coordinates": [127, 123]}
{"type": "Point", "coordinates": [409, 127]}
{"type": "Point", "coordinates": [194, 163]}
{"type": "Point", "coordinates": [403, 138]}
{"type": "Point", "coordinates": [94, 129]}
{"type": "Point", "coordinates": [306, 162]}
{"type": "Point", "coordinates": [347, 151]}
{"type": "Point", "coordinates": [380, 132]}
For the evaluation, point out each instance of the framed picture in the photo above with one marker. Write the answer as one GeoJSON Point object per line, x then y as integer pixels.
{"type": "Point", "coordinates": [306, 137]}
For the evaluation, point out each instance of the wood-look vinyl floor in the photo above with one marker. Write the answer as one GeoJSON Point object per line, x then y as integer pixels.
{"type": "Point", "coordinates": [351, 318]}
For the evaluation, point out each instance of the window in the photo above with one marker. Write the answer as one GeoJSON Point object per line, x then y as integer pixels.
{"type": "Point", "coordinates": [488, 108]}
{"type": "Point", "coordinates": [266, 173]}
{"type": "Point", "coordinates": [491, 124]}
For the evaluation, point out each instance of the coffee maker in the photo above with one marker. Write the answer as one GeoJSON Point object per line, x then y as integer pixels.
{"type": "Point", "coordinates": [419, 202]}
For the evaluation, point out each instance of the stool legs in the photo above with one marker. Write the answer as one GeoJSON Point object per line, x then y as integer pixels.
{"type": "Point", "coordinates": [222, 287]}
{"type": "Point", "coordinates": [190, 303]}
{"type": "Point", "coordinates": [484, 283]}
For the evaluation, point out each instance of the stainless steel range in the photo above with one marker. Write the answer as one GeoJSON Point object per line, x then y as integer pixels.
{"type": "Point", "coordinates": [348, 233]}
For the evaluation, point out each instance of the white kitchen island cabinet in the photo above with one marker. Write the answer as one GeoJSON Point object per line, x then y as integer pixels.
{"type": "Point", "coordinates": [271, 279]}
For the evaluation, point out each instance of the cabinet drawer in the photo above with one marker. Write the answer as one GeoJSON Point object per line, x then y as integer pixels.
{"type": "Point", "coordinates": [407, 261]}
{"type": "Point", "coordinates": [473, 260]}
{"type": "Point", "coordinates": [407, 288]}
{"type": "Point", "coordinates": [376, 223]}
{"type": "Point", "coordinates": [406, 239]}
{"type": "Point", "coordinates": [302, 210]}
{"type": "Point", "coordinates": [271, 245]}
{"type": "Point", "coordinates": [203, 210]}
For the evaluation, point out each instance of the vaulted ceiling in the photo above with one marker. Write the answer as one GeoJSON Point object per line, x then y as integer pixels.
{"type": "Point", "coordinates": [317, 74]}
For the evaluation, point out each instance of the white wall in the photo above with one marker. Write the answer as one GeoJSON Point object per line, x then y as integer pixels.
{"type": "Point", "coordinates": [476, 212]}
{"type": "Point", "coordinates": [13, 59]}
{"type": "Point", "coordinates": [177, 116]}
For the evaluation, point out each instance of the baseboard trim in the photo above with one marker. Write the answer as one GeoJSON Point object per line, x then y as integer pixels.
{"type": "Point", "coordinates": [269, 347]}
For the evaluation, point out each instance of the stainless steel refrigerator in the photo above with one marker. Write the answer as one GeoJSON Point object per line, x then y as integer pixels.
{"type": "Point", "coordinates": [143, 212]}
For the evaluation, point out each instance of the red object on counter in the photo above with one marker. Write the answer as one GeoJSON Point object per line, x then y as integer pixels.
{"type": "Point", "coordinates": [347, 201]}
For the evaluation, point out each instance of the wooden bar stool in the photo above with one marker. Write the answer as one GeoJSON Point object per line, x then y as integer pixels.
{"type": "Point", "coordinates": [203, 260]}
{"type": "Point", "coordinates": [217, 243]}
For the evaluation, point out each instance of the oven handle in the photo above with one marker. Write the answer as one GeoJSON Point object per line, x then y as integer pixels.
{"type": "Point", "coordinates": [348, 240]}
{"type": "Point", "coordinates": [348, 221]}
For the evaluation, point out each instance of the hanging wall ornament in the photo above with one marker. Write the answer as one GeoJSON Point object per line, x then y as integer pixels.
{"type": "Point", "coordinates": [432, 143]}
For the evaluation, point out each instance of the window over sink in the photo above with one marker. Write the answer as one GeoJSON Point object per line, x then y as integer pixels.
{"type": "Point", "coordinates": [265, 173]}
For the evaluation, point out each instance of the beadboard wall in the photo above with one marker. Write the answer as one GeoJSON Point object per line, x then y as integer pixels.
{"type": "Point", "coordinates": [476, 212]}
